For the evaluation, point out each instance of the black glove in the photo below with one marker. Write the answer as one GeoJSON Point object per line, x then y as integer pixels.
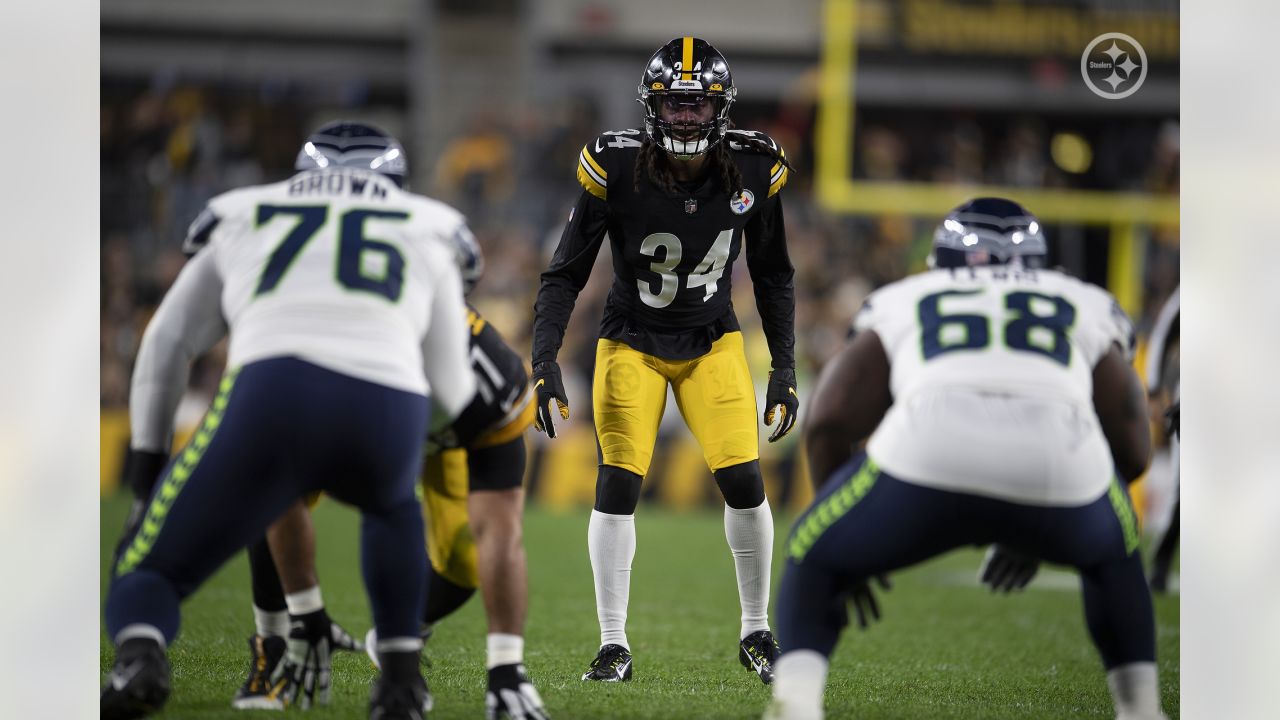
{"type": "Point", "coordinates": [781, 392]}
{"type": "Point", "coordinates": [548, 386]}
{"type": "Point", "coordinates": [863, 600]}
{"type": "Point", "coordinates": [142, 470]}
{"type": "Point", "coordinates": [1171, 419]}
{"type": "Point", "coordinates": [305, 676]}
{"type": "Point", "coordinates": [512, 696]}
{"type": "Point", "coordinates": [1005, 570]}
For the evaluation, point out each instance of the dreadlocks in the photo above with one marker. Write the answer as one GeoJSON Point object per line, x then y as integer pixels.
{"type": "Point", "coordinates": [648, 163]}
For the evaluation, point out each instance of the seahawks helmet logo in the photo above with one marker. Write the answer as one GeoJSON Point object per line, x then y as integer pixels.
{"type": "Point", "coordinates": [742, 203]}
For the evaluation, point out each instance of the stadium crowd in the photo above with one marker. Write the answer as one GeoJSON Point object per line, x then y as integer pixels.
{"type": "Point", "coordinates": [168, 147]}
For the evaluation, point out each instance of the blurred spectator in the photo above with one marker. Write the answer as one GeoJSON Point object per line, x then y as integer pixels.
{"type": "Point", "coordinates": [168, 148]}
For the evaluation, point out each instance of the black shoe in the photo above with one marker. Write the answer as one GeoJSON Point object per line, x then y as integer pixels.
{"type": "Point", "coordinates": [399, 701]}
{"type": "Point", "coordinates": [255, 693]}
{"type": "Point", "coordinates": [758, 652]}
{"type": "Point", "coordinates": [612, 664]}
{"type": "Point", "coordinates": [139, 682]}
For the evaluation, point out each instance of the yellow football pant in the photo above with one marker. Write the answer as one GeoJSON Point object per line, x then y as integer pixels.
{"type": "Point", "coordinates": [714, 393]}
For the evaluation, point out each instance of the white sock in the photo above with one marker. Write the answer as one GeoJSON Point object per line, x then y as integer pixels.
{"type": "Point", "coordinates": [1135, 691]}
{"type": "Point", "coordinates": [799, 679]}
{"type": "Point", "coordinates": [503, 649]}
{"type": "Point", "coordinates": [304, 601]}
{"type": "Point", "coordinates": [139, 630]}
{"type": "Point", "coordinates": [750, 535]}
{"type": "Point", "coordinates": [271, 623]}
{"type": "Point", "coordinates": [611, 542]}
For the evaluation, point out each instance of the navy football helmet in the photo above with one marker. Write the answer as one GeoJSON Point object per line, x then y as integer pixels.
{"type": "Point", "coordinates": [686, 91]}
{"type": "Point", "coordinates": [344, 143]}
{"type": "Point", "coordinates": [470, 259]}
{"type": "Point", "coordinates": [989, 231]}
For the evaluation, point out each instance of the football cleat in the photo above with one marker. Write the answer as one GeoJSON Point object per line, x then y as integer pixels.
{"type": "Point", "coordinates": [612, 664]}
{"type": "Point", "coordinates": [256, 693]}
{"type": "Point", "coordinates": [139, 682]}
{"type": "Point", "coordinates": [758, 652]}
{"type": "Point", "coordinates": [399, 701]}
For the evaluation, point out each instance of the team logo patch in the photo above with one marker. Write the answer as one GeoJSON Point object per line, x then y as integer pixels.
{"type": "Point", "coordinates": [742, 203]}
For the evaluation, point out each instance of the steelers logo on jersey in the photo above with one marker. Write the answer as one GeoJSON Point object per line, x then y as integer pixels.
{"type": "Point", "coordinates": [742, 203]}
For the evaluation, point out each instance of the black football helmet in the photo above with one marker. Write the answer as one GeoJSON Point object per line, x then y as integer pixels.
{"type": "Point", "coordinates": [989, 231]}
{"type": "Point", "coordinates": [687, 72]}
{"type": "Point", "coordinates": [344, 143]}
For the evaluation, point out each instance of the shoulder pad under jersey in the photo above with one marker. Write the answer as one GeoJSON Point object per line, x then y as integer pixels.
{"type": "Point", "coordinates": [607, 154]}
{"type": "Point", "coordinates": [754, 141]}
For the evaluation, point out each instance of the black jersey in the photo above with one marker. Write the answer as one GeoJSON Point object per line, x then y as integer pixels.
{"type": "Point", "coordinates": [502, 385]}
{"type": "Point", "coordinates": [672, 254]}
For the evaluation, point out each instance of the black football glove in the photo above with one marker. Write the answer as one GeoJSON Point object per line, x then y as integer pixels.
{"type": "Point", "coordinates": [860, 595]}
{"type": "Point", "coordinates": [305, 676]}
{"type": "Point", "coordinates": [512, 697]}
{"type": "Point", "coordinates": [1171, 419]}
{"type": "Point", "coordinates": [781, 398]}
{"type": "Point", "coordinates": [142, 470]}
{"type": "Point", "coordinates": [1005, 570]}
{"type": "Point", "coordinates": [548, 386]}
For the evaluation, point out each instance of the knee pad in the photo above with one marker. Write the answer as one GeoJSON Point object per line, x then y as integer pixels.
{"type": "Point", "coordinates": [741, 485]}
{"type": "Point", "coordinates": [617, 491]}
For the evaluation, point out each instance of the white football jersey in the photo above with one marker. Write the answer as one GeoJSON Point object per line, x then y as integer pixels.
{"type": "Point", "coordinates": [311, 266]}
{"type": "Point", "coordinates": [338, 267]}
{"type": "Point", "coordinates": [991, 370]}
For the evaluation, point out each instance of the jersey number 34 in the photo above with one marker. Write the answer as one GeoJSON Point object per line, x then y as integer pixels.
{"type": "Point", "coordinates": [706, 275]}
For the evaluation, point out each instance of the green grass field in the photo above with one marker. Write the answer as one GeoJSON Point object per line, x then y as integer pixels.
{"type": "Point", "coordinates": [945, 649]}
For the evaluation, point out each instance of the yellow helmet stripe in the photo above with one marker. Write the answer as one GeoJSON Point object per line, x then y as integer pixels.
{"type": "Point", "coordinates": [686, 62]}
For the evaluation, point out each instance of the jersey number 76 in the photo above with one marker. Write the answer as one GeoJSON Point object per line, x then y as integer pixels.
{"type": "Point", "coordinates": [352, 246]}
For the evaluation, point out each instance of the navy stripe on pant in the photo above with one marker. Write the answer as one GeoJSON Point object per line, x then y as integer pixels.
{"type": "Point", "coordinates": [865, 522]}
{"type": "Point", "coordinates": [282, 428]}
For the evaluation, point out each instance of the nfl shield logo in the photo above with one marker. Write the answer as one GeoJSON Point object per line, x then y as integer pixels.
{"type": "Point", "coordinates": [691, 206]}
{"type": "Point", "coordinates": [742, 203]}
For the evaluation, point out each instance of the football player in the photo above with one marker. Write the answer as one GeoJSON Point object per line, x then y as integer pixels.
{"type": "Point", "coordinates": [1164, 389]}
{"type": "Point", "coordinates": [473, 505]}
{"type": "Point", "coordinates": [679, 200]}
{"type": "Point", "coordinates": [1002, 409]}
{"type": "Point", "coordinates": [346, 317]}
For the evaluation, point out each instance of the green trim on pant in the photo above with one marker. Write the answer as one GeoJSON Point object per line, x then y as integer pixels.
{"type": "Point", "coordinates": [186, 463]}
{"type": "Point", "coordinates": [831, 509]}
{"type": "Point", "coordinates": [1124, 513]}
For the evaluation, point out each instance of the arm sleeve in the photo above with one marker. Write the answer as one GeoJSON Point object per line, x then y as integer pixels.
{"type": "Point", "coordinates": [188, 322]}
{"type": "Point", "coordinates": [446, 348]}
{"type": "Point", "coordinates": [773, 278]}
{"type": "Point", "coordinates": [569, 271]}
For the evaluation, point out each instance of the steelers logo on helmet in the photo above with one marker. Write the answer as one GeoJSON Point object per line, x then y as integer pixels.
{"type": "Point", "coordinates": [989, 231]}
{"type": "Point", "coordinates": [686, 91]}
